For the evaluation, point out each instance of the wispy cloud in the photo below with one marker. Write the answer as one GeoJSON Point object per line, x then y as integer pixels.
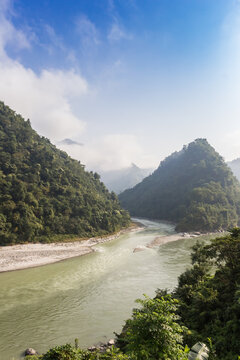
{"type": "Point", "coordinates": [54, 38]}
{"type": "Point", "coordinates": [111, 6]}
{"type": "Point", "coordinates": [130, 4]}
{"type": "Point", "coordinates": [117, 33]}
{"type": "Point", "coordinates": [55, 44]}
{"type": "Point", "coordinates": [8, 34]}
{"type": "Point", "coordinates": [5, 6]}
{"type": "Point", "coordinates": [89, 35]}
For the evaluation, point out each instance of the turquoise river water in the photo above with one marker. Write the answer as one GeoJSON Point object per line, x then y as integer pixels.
{"type": "Point", "coordinates": [87, 297]}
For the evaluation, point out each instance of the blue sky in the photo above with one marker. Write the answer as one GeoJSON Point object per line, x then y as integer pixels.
{"type": "Point", "coordinates": [133, 80]}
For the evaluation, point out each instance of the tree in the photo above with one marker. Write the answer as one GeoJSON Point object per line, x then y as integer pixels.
{"type": "Point", "coordinates": [153, 332]}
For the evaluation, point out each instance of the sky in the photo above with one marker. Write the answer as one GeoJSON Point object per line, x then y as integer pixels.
{"type": "Point", "coordinates": [130, 81]}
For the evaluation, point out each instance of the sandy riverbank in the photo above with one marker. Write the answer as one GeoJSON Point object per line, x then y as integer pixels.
{"type": "Point", "coordinates": [24, 256]}
{"type": "Point", "coordinates": [160, 240]}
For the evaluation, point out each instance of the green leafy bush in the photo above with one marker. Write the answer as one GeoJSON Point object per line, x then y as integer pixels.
{"type": "Point", "coordinates": [68, 352]}
{"type": "Point", "coordinates": [154, 332]}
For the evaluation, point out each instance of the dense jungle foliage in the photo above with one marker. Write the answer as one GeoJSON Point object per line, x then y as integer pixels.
{"type": "Point", "coordinates": [45, 193]}
{"type": "Point", "coordinates": [205, 307]}
{"type": "Point", "coordinates": [210, 304]}
{"type": "Point", "coordinates": [193, 187]}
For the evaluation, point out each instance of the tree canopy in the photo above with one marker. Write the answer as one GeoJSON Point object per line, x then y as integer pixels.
{"type": "Point", "coordinates": [154, 332]}
{"type": "Point", "coordinates": [209, 295]}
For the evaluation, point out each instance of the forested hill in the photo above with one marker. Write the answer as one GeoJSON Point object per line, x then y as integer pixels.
{"type": "Point", "coordinates": [193, 187]}
{"type": "Point", "coordinates": [43, 192]}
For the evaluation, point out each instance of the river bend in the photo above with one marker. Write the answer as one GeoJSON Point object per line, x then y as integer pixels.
{"type": "Point", "coordinates": [87, 297]}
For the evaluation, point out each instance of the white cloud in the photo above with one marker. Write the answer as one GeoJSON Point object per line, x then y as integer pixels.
{"type": "Point", "coordinates": [45, 98]}
{"type": "Point", "coordinates": [111, 152]}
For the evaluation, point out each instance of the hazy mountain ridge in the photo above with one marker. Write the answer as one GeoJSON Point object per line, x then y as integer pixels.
{"type": "Point", "coordinates": [43, 192]}
{"type": "Point", "coordinates": [193, 187]}
{"type": "Point", "coordinates": [120, 180]}
{"type": "Point", "coordinates": [69, 142]}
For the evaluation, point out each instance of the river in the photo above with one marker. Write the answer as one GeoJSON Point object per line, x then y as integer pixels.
{"type": "Point", "coordinates": [87, 297]}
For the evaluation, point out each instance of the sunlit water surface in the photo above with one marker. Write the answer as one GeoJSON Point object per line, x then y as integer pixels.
{"type": "Point", "coordinates": [87, 297]}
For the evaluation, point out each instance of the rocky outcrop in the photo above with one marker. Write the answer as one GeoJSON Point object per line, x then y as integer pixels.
{"type": "Point", "coordinates": [102, 347]}
{"type": "Point", "coordinates": [199, 351]}
{"type": "Point", "coordinates": [30, 351]}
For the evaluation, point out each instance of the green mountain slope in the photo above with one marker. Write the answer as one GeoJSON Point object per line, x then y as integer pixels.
{"type": "Point", "coordinates": [193, 187]}
{"type": "Point", "coordinates": [43, 192]}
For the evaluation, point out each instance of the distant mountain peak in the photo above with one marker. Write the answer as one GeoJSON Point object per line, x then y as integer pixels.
{"type": "Point", "coordinates": [120, 180]}
{"type": "Point", "coordinates": [69, 142]}
{"type": "Point", "coordinates": [134, 166]}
